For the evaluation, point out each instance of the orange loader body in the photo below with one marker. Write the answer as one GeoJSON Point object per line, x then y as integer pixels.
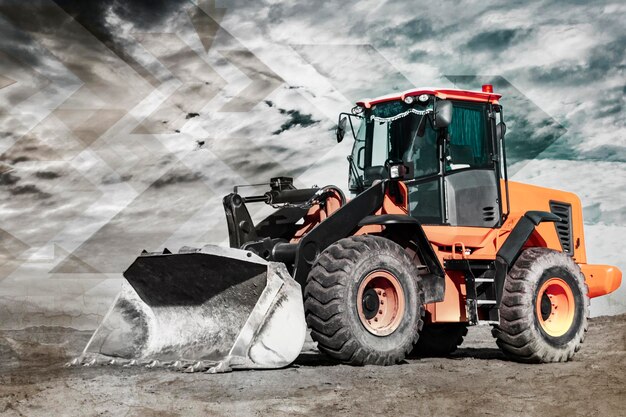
{"type": "Point", "coordinates": [485, 243]}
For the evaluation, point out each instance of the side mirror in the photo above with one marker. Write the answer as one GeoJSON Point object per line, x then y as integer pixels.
{"type": "Point", "coordinates": [443, 113]}
{"type": "Point", "coordinates": [341, 129]}
{"type": "Point", "coordinates": [500, 130]}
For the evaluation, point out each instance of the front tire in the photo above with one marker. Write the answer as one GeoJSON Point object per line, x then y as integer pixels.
{"type": "Point", "coordinates": [544, 308]}
{"type": "Point", "coordinates": [363, 301]}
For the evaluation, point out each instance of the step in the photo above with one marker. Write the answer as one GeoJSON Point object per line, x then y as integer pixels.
{"type": "Point", "coordinates": [487, 322]}
{"type": "Point", "coordinates": [485, 302]}
{"type": "Point", "coordinates": [483, 280]}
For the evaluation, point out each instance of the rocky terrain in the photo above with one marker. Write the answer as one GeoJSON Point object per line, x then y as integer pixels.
{"type": "Point", "coordinates": [474, 381]}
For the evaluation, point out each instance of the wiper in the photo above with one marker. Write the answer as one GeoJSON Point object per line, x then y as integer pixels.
{"type": "Point", "coordinates": [353, 169]}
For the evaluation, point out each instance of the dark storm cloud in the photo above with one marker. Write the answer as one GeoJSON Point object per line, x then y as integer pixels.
{"type": "Point", "coordinates": [312, 12]}
{"type": "Point", "coordinates": [611, 110]}
{"type": "Point", "coordinates": [35, 17]}
{"type": "Point", "coordinates": [29, 189]}
{"type": "Point", "coordinates": [47, 175]}
{"type": "Point", "coordinates": [608, 153]}
{"type": "Point", "coordinates": [497, 40]}
{"type": "Point", "coordinates": [143, 14]}
{"type": "Point", "coordinates": [14, 160]}
{"type": "Point", "coordinates": [275, 149]}
{"type": "Point", "coordinates": [602, 61]}
{"type": "Point", "coordinates": [608, 57]}
{"type": "Point", "coordinates": [115, 179]}
{"type": "Point", "coordinates": [18, 44]}
{"type": "Point", "coordinates": [415, 29]}
{"type": "Point", "coordinates": [535, 137]}
{"type": "Point", "coordinates": [563, 72]}
{"type": "Point", "coordinates": [8, 178]}
{"type": "Point", "coordinates": [176, 177]}
{"type": "Point", "coordinates": [418, 55]}
{"type": "Point", "coordinates": [295, 119]}
{"type": "Point", "coordinates": [405, 34]}
{"type": "Point", "coordinates": [611, 106]}
{"type": "Point", "coordinates": [356, 71]}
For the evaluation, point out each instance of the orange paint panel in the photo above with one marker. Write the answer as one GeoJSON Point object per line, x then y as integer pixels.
{"type": "Point", "coordinates": [452, 308]}
{"type": "Point", "coordinates": [525, 197]}
{"type": "Point", "coordinates": [369, 230]}
{"type": "Point", "coordinates": [471, 236]}
{"type": "Point", "coordinates": [390, 206]}
{"type": "Point", "coordinates": [484, 243]}
{"type": "Point", "coordinates": [601, 279]}
{"type": "Point", "coordinates": [316, 215]}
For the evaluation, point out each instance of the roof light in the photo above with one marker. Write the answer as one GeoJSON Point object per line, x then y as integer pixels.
{"type": "Point", "coordinates": [423, 97]}
{"type": "Point", "coordinates": [409, 99]}
{"type": "Point", "coordinates": [487, 88]}
{"type": "Point", "coordinates": [357, 110]}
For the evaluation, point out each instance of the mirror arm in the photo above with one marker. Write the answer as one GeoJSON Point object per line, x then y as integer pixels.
{"type": "Point", "coordinates": [352, 128]}
{"type": "Point", "coordinates": [358, 179]}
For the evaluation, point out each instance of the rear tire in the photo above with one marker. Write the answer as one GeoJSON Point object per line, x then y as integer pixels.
{"type": "Point", "coordinates": [363, 301]}
{"type": "Point", "coordinates": [544, 308]}
{"type": "Point", "coordinates": [439, 339]}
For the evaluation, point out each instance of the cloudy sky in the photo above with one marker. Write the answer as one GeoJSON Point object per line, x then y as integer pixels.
{"type": "Point", "coordinates": [122, 124]}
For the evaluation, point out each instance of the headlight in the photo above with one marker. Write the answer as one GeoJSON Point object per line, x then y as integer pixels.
{"type": "Point", "coordinates": [394, 172]}
{"type": "Point", "coordinates": [409, 99]}
{"type": "Point", "coordinates": [423, 97]}
{"type": "Point", "coordinates": [398, 171]}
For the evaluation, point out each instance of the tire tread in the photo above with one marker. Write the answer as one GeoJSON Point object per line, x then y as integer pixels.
{"type": "Point", "coordinates": [324, 308]}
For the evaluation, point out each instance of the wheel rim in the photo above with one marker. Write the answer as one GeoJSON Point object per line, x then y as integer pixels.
{"type": "Point", "coordinates": [380, 302]}
{"type": "Point", "coordinates": [555, 307]}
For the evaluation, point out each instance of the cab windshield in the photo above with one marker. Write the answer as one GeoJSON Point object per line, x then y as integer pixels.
{"type": "Point", "coordinates": [400, 139]}
{"type": "Point", "coordinates": [393, 131]}
{"type": "Point", "coordinates": [401, 132]}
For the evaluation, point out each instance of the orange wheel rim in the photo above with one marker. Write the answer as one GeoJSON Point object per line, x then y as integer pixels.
{"type": "Point", "coordinates": [380, 303]}
{"type": "Point", "coordinates": [555, 307]}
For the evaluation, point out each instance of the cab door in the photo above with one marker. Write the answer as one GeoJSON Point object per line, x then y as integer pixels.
{"type": "Point", "coordinates": [455, 176]}
{"type": "Point", "coordinates": [470, 173]}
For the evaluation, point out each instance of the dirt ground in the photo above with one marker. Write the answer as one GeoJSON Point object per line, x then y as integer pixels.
{"type": "Point", "coordinates": [474, 381]}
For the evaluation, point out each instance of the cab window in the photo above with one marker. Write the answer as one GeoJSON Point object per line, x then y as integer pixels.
{"type": "Point", "coordinates": [469, 145]}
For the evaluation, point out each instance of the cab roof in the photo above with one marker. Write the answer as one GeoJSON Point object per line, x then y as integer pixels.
{"type": "Point", "coordinates": [443, 93]}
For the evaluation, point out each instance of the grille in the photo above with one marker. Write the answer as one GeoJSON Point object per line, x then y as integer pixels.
{"type": "Point", "coordinates": [489, 214]}
{"type": "Point", "coordinates": [564, 227]}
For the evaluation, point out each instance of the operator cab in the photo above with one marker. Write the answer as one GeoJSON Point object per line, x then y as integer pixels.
{"type": "Point", "coordinates": [453, 162]}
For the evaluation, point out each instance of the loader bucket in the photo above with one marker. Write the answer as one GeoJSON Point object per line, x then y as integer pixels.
{"type": "Point", "coordinates": [213, 308]}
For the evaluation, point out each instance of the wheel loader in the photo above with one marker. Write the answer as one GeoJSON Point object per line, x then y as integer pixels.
{"type": "Point", "coordinates": [436, 238]}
